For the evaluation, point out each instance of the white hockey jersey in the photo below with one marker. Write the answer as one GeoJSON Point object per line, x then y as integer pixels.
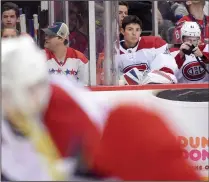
{"type": "Point", "coordinates": [75, 65]}
{"type": "Point", "coordinates": [189, 69]}
{"type": "Point", "coordinates": [20, 160]}
{"type": "Point", "coordinates": [151, 53]}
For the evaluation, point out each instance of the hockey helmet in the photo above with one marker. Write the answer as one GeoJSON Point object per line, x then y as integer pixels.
{"type": "Point", "coordinates": [24, 75]}
{"type": "Point", "coordinates": [190, 29]}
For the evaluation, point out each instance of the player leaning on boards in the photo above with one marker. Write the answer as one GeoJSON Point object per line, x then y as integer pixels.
{"type": "Point", "coordinates": [145, 59]}
{"type": "Point", "coordinates": [192, 57]}
{"type": "Point", "coordinates": [64, 60]}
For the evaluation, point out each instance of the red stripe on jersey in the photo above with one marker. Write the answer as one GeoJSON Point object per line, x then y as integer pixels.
{"type": "Point", "coordinates": [81, 56]}
{"type": "Point", "coordinates": [69, 125]}
{"type": "Point", "coordinates": [140, 67]}
{"type": "Point", "coordinates": [205, 53]}
{"type": "Point", "coordinates": [167, 70]}
{"type": "Point", "coordinates": [162, 74]}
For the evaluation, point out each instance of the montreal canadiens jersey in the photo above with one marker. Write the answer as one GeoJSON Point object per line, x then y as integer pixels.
{"type": "Point", "coordinates": [189, 69]}
{"type": "Point", "coordinates": [151, 53]}
{"type": "Point", "coordinates": [74, 65]}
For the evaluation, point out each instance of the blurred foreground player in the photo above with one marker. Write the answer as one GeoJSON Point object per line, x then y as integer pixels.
{"type": "Point", "coordinates": [62, 121]}
{"type": "Point", "coordinates": [30, 151]}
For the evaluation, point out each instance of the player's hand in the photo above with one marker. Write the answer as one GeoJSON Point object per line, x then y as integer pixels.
{"type": "Point", "coordinates": [197, 52]}
{"type": "Point", "coordinates": [185, 45]}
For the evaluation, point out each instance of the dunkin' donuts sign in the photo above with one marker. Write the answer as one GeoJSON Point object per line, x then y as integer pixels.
{"type": "Point", "coordinates": [195, 149]}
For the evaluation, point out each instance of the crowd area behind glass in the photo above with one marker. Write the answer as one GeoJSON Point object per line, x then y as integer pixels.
{"type": "Point", "coordinates": [68, 38]}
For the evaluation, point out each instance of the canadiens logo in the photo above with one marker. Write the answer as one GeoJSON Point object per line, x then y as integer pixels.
{"type": "Point", "coordinates": [140, 67]}
{"type": "Point", "coordinates": [193, 71]}
{"type": "Point", "coordinates": [167, 51]}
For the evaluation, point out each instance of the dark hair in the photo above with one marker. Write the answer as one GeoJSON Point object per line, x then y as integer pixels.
{"type": "Point", "coordinates": [123, 3]}
{"type": "Point", "coordinates": [10, 6]}
{"type": "Point", "coordinates": [65, 41]}
{"type": "Point", "coordinates": [17, 32]}
{"type": "Point", "coordinates": [131, 19]}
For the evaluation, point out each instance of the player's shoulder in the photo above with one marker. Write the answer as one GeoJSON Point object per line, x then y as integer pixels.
{"type": "Point", "coordinates": [173, 49]}
{"type": "Point", "coordinates": [204, 47]}
{"type": "Point", "coordinates": [48, 53]}
{"type": "Point", "coordinates": [184, 18]}
{"type": "Point", "coordinates": [67, 89]}
{"type": "Point", "coordinates": [73, 53]}
{"type": "Point", "coordinates": [151, 42]}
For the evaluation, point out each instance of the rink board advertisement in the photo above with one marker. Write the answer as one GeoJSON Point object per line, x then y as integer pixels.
{"type": "Point", "coordinates": [190, 118]}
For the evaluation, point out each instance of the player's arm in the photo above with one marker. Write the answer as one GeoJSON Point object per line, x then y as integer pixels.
{"type": "Point", "coordinates": [163, 66]}
{"type": "Point", "coordinates": [163, 60]}
{"type": "Point", "coordinates": [120, 72]}
{"type": "Point", "coordinates": [83, 73]}
{"type": "Point", "coordinates": [205, 53]}
{"type": "Point", "coordinates": [83, 69]}
{"type": "Point", "coordinates": [178, 55]}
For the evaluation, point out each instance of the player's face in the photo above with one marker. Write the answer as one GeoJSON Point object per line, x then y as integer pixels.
{"type": "Point", "coordinates": [9, 33]}
{"type": "Point", "coordinates": [123, 12]}
{"type": "Point", "coordinates": [9, 19]}
{"type": "Point", "coordinates": [193, 40]}
{"type": "Point", "coordinates": [131, 34]}
{"type": "Point", "coordinates": [51, 42]}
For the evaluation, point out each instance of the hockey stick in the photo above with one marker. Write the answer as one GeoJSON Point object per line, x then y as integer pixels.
{"type": "Point", "coordinates": [23, 23]}
{"type": "Point", "coordinates": [36, 27]}
{"type": "Point", "coordinates": [202, 65]}
{"type": "Point", "coordinates": [31, 27]}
